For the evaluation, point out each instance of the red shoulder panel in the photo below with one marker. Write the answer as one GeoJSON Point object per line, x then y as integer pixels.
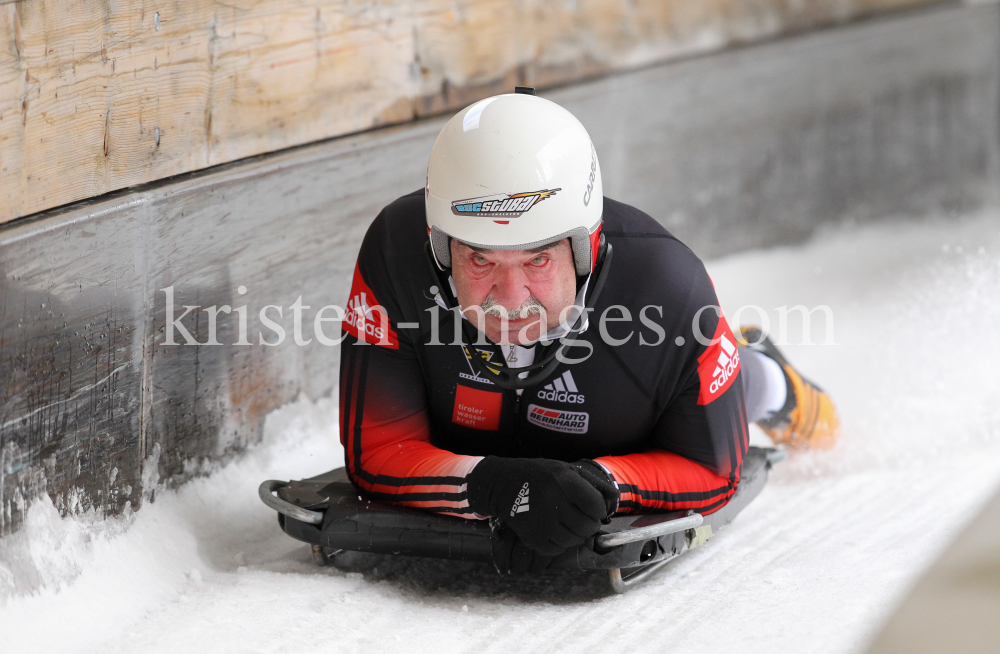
{"type": "Point", "coordinates": [366, 319]}
{"type": "Point", "coordinates": [719, 364]}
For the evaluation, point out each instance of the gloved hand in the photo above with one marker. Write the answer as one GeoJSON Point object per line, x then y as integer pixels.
{"type": "Point", "coordinates": [512, 557]}
{"type": "Point", "coordinates": [600, 479]}
{"type": "Point", "coordinates": [548, 504]}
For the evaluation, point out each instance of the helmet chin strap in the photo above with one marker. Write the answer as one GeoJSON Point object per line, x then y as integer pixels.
{"type": "Point", "coordinates": [510, 378]}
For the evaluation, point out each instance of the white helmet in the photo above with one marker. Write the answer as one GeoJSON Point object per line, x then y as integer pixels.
{"type": "Point", "coordinates": [514, 172]}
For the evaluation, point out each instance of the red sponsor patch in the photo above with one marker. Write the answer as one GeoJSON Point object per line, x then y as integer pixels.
{"type": "Point", "coordinates": [477, 409]}
{"type": "Point", "coordinates": [366, 319]}
{"type": "Point", "coordinates": [719, 364]}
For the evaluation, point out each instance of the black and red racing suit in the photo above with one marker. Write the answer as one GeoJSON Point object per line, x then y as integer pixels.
{"type": "Point", "coordinates": [662, 412]}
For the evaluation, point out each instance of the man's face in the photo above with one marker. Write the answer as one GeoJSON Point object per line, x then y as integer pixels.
{"type": "Point", "coordinates": [514, 296]}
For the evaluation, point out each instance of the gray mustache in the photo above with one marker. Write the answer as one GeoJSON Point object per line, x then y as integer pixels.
{"type": "Point", "coordinates": [530, 307]}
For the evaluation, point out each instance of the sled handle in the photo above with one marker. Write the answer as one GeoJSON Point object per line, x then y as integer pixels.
{"type": "Point", "coordinates": [266, 491]}
{"type": "Point", "coordinates": [653, 531]}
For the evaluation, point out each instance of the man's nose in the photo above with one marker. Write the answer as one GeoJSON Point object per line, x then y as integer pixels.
{"type": "Point", "coordinates": [510, 286]}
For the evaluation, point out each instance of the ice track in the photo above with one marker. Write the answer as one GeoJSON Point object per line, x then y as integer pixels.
{"type": "Point", "coordinates": [813, 565]}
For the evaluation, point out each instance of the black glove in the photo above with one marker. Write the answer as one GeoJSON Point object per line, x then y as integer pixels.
{"type": "Point", "coordinates": [549, 504]}
{"type": "Point", "coordinates": [512, 557]}
{"type": "Point", "coordinates": [599, 478]}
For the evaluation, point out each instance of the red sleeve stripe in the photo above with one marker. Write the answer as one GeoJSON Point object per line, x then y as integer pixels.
{"type": "Point", "coordinates": [465, 512]}
{"type": "Point", "coordinates": [437, 506]}
{"type": "Point", "coordinates": [348, 381]}
{"type": "Point", "coordinates": [629, 506]}
{"type": "Point", "coordinates": [371, 470]}
{"type": "Point", "coordinates": [638, 500]}
{"type": "Point", "coordinates": [739, 428]}
{"type": "Point", "coordinates": [630, 503]}
{"type": "Point", "coordinates": [658, 481]}
{"type": "Point", "coordinates": [666, 496]}
{"type": "Point", "coordinates": [401, 491]}
{"type": "Point", "coordinates": [401, 482]}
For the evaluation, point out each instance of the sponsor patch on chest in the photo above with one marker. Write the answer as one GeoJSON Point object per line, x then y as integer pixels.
{"type": "Point", "coordinates": [567, 422]}
{"type": "Point", "coordinates": [477, 409]}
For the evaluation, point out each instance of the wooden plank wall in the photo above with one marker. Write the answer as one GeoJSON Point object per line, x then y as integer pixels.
{"type": "Point", "coordinates": [98, 96]}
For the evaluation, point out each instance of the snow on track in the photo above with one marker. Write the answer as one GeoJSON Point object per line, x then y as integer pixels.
{"type": "Point", "coordinates": [815, 564]}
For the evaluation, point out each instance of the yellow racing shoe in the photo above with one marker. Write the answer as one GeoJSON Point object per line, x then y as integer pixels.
{"type": "Point", "coordinates": [808, 419]}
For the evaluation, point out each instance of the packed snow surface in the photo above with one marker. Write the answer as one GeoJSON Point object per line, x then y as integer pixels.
{"type": "Point", "coordinates": [815, 564]}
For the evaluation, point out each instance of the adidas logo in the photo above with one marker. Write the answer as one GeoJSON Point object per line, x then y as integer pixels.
{"type": "Point", "coordinates": [729, 359]}
{"type": "Point", "coordinates": [562, 389]}
{"type": "Point", "coordinates": [359, 316]}
{"type": "Point", "coordinates": [521, 503]}
{"type": "Point", "coordinates": [358, 305]}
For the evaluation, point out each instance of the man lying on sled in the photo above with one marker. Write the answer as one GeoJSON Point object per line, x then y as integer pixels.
{"type": "Point", "coordinates": [521, 348]}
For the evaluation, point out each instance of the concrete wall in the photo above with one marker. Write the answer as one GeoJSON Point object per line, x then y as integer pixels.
{"type": "Point", "coordinates": [759, 145]}
{"type": "Point", "coordinates": [954, 607]}
{"type": "Point", "coordinates": [742, 148]}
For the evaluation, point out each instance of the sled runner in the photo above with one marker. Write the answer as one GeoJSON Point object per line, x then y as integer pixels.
{"type": "Point", "coordinates": [327, 512]}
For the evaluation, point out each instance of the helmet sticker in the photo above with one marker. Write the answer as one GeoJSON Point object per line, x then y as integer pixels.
{"type": "Point", "coordinates": [500, 205]}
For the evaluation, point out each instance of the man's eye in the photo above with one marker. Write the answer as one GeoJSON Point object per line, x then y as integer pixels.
{"type": "Point", "coordinates": [480, 261]}
{"type": "Point", "coordinates": [538, 261]}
